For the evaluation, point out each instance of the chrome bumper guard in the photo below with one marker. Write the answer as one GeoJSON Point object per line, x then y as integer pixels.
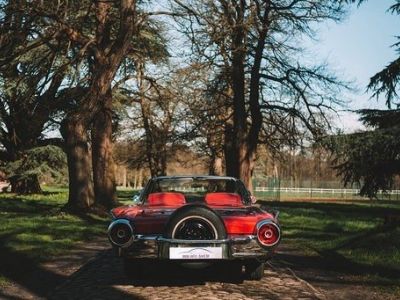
{"type": "Point", "coordinates": [234, 247]}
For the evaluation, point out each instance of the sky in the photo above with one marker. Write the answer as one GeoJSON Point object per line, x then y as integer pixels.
{"type": "Point", "coordinates": [357, 49]}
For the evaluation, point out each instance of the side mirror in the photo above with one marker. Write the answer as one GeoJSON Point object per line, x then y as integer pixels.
{"type": "Point", "coordinates": [253, 199]}
{"type": "Point", "coordinates": [136, 198]}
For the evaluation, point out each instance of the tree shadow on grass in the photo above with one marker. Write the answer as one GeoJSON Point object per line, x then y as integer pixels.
{"type": "Point", "coordinates": [330, 208]}
{"type": "Point", "coordinates": [327, 238]}
{"type": "Point", "coordinates": [27, 207]}
{"type": "Point", "coordinates": [26, 272]}
{"type": "Point", "coordinates": [330, 263]}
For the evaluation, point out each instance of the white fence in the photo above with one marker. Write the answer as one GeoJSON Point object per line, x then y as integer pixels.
{"type": "Point", "coordinates": [317, 191]}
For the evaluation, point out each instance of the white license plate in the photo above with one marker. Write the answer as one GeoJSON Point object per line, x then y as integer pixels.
{"type": "Point", "coordinates": [195, 252]}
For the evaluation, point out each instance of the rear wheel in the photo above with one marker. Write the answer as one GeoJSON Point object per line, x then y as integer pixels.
{"type": "Point", "coordinates": [254, 269]}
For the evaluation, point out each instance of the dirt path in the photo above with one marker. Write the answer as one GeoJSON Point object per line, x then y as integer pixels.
{"type": "Point", "coordinates": [38, 280]}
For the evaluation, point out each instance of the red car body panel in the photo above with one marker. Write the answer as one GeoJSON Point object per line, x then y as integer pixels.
{"type": "Point", "coordinates": [151, 219]}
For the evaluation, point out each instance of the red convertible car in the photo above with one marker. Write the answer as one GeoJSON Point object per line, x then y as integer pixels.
{"type": "Point", "coordinates": [194, 221]}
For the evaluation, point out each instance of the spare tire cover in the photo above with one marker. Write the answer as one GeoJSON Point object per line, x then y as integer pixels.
{"type": "Point", "coordinates": [195, 222]}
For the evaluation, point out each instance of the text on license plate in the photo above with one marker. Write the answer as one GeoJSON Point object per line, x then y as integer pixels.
{"type": "Point", "coordinates": [195, 252]}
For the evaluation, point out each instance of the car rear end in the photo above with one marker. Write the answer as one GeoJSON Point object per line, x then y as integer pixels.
{"type": "Point", "coordinates": [222, 227]}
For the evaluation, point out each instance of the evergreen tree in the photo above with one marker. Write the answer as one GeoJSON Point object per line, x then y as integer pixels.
{"type": "Point", "coordinates": [46, 164]}
{"type": "Point", "coordinates": [372, 158]}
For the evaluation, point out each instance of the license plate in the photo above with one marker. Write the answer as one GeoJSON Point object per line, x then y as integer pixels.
{"type": "Point", "coordinates": [195, 252]}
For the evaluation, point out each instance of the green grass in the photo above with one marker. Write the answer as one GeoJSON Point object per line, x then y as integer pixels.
{"type": "Point", "coordinates": [125, 196]}
{"type": "Point", "coordinates": [352, 239]}
{"type": "Point", "coordinates": [33, 230]}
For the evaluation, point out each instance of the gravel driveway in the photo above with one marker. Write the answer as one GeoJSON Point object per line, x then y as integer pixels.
{"type": "Point", "coordinates": [103, 278]}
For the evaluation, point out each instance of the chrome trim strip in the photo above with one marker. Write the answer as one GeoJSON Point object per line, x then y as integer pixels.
{"type": "Point", "coordinates": [231, 240]}
{"type": "Point", "coordinates": [179, 241]}
{"type": "Point", "coordinates": [142, 237]}
{"type": "Point", "coordinates": [154, 246]}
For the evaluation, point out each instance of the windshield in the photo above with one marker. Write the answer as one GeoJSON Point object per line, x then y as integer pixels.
{"type": "Point", "coordinates": [195, 189]}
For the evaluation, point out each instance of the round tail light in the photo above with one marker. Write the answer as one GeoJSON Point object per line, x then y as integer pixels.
{"type": "Point", "coordinates": [268, 233]}
{"type": "Point", "coordinates": [120, 233]}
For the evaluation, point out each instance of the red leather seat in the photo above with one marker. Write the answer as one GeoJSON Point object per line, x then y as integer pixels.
{"type": "Point", "coordinates": [166, 199]}
{"type": "Point", "coordinates": [222, 199]}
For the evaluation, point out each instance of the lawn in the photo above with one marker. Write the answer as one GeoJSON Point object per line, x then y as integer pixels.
{"type": "Point", "coordinates": [359, 240]}
{"type": "Point", "coordinates": [33, 230]}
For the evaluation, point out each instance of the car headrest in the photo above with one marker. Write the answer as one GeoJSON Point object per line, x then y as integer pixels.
{"type": "Point", "coordinates": [221, 199]}
{"type": "Point", "coordinates": [166, 199]}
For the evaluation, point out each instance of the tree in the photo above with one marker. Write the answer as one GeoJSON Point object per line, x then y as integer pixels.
{"type": "Point", "coordinates": [254, 45]}
{"type": "Point", "coordinates": [206, 113]}
{"type": "Point", "coordinates": [99, 35]}
{"type": "Point", "coordinates": [41, 164]}
{"type": "Point", "coordinates": [95, 37]}
{"type": "Point", "coordinates": [149, 100]}
{"type": "Point", "coordinates": [371, 158]}
{"type": "Point", "coordinates": [155, 121]}
{"type": "Point", "coordinates": [105, 45]}
{"type": "Point", "coordinates": [28, 84]}
{"type": "Point", "coordinates": [31, 76]}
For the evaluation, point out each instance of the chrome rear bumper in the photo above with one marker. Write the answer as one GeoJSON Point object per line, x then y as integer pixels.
{"type": "Point", "coordinates": [234, 247]}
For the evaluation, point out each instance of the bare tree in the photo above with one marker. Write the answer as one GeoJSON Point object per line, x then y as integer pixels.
{"type": "Point", "coordinates": [203, 96]}
{"type": "Point", "coordinates": [255, 45]}
{"type": "Point", "coordinates": [156, 103]}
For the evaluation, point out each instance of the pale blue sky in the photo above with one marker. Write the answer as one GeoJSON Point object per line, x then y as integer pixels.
{"type": "Point", "coordinates": [358, 48]}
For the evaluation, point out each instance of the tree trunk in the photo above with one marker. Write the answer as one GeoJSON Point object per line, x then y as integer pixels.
{"type": "Point", "coordinates": [102, 158]}
{"type": "Point", "coordinates": [216, 166]}
{"type": "Point", "coordinates": [155, 138]}
{"type": "Point", "coordinates": [246, 166]}
{"type": "Point", "coordinates": [135, 180]}
{"type": "Point", "coordinates": [140, 179]}
{"type": "Point", "coordinates": [124, 177]}
{"type": "Point", "coordinates": [25, 184]}
{"type": "Point", "coordinates": [244, 140]}
{"type": "Point", "coordinates": [239, 153]}
{"type": "Point", "coordinates": [81, 195]}
{"type": "Point", "coordinates": [229, 149]}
